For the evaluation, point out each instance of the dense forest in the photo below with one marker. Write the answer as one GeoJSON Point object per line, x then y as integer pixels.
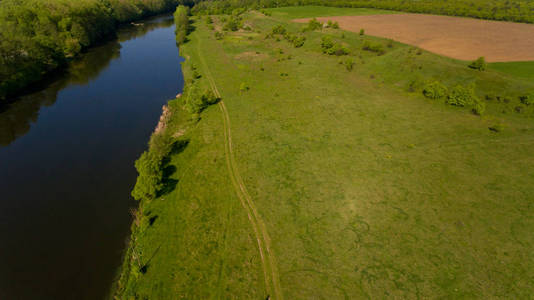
{"type": "Point", "coordinates": [38, 36]}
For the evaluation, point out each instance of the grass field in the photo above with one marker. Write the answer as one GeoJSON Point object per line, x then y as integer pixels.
{"type": "Point", "coordinates": [524, 69]}
{"type": "Point", "coordinates": [337, 184]}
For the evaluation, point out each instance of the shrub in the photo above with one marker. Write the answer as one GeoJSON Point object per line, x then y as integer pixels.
{"type": "Point", "coordinates": [478, 64]}
{"type": "Point", "coordinates": [462, 96]}
{"type": "Point", "coordinates": [527, 100]}
{"type": "Point", "coordinates": [479, 107]}
{"type": "Point", "coordinates": [232, 24]}
{"type": "Point", "coordinates": [243, 87]}
{"type": "Point", "coordinates": [349, 63]}
{"type": "Point", "coordinates": [150, 175]}
{"type": "Point", "coordinates": [298, 41]}
{"type": "Point", "coordinates": [279, 29]}
{"type": "Point", "coordinates": [326, 43]}
{"type": "Point", "coordinates": [313, 24]}
{"type": "Point", "coordinates": [362, 31]}
{"type": "Point", "coordinates": [208, 19]}
{"type": "Point", "coordinates": [218, 35]}
{"type": "Point", "coordinates": [335, 25]}
{"type": "Point", "coordinates": [373, 47]}
{"type": "Point", "coordinates": [435, 90]}
{"type": "Point", "coordinates": [338, 50]}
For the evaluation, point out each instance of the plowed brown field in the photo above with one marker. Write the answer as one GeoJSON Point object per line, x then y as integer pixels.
{"type": "Point", "coordinates": [460, 38]}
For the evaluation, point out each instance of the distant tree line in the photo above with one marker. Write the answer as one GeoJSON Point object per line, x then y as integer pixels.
{"type": "Point", "coordinates": [37, 36]}
{"type": "Point", "coordinates": [502, 10]}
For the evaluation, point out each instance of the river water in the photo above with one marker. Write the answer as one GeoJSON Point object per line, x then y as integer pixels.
{"type": "Point", "coordinates": [67, 153]}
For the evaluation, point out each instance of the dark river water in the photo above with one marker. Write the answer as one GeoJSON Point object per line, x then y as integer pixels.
{"type": "Point", "coordinates": [67, 155]}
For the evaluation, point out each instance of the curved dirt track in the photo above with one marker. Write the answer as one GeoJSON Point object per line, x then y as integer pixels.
{"type": "Point", "coordinates": [270, 271]}
{"type": "Point", "coordinates": [460, 38]}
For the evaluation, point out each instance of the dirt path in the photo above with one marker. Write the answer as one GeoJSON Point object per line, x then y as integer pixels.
{"type": "Point", "coordinates": [272, 280]}
{"type": "Point", "coordinates": [460, 38]}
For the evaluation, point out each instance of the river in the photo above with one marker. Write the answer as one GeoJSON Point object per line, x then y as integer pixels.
{"type": "Point", "coordinates": [67, 152]}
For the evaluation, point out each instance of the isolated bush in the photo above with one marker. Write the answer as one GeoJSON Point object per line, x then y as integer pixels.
{"type": "Point", "coordinates": [243, 87]}
{"type": "Point", "coordinates": [362, 31]}
{"type": "Point", "coordinates": [349, 63]}
{"type": "Point", "coordinates": [527, 99]}
{"type": "Point", "coordinates": [435, 90]}
{"type": "Point", "coordinates": [313, 24]}
{"type": "Point", "coordinates": [265, 13]}
{"type": "Point", "coordinates": [279, 29]}
{"type": "Point", "coordinates": [479, 107]}
{"type": "Point", "coordinates": [331, 24]}
{"type": "Point", "coordinates": [373, 47]}
{"type": "Point", "coordinates": [326, 43]}
{"type": "Point", "coordinates": [298, 41]}
{"type": "Point", "coordinates": [462, 96]}
{"type": "Point", "coordinates": [479, 64]}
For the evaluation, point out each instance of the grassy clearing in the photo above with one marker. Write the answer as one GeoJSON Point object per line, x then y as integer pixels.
{"type": "Point", "coordinates": [522, 69]}
{"type": "Point", "coordinates": [295, 12]}
{"type": "Point", "coordinates": [366, 188]}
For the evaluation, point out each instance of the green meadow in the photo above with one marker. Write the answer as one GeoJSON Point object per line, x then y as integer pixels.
{"type": "Point", "coordinates": [354, 185]}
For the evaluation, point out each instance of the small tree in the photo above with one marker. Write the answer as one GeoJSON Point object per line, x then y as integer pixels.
{"type": "Point", "coordinates": [435, 90]}
{"type": "Point", "coordinates": [150, 175]}
{"type": "Point", "coordinates": [478, 64]}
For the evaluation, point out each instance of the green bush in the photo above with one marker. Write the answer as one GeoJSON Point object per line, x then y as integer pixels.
{"type": "Point", "coordinates": [362, 31]}
{"type": "Point", "coordinates": [218, 35]}
{"type": "Point", "coordinates": [243, 87]}
{"type": "Point", "coordinates": [279, 29]}
{"type": "Point", "coordinates": [150, 176]}
{"type": "Point", "coordinates": [313, 24]}
{"type": "Point", "coordinates": [478, 64]}
{"type": "Point", "coordinates": [462, 96]}
{"type": "Point", "coordinates": [349, 63]}
{"type": "Point", "coordinates": [232, 24]}
{"type": "Point", "coordinates": [373, 47]}
{"type": "Point", "coordinates": [435, 90]}
{"type": "Point", "coordinates": [527, 99]}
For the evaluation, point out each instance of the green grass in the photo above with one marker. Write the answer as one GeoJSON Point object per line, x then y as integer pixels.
{"type": "Point", "coordinates": [366, 189]}
{"type": "Point", "coordinates": [296, 12]}
{"type": "Point", "coordinates": [522, 69]}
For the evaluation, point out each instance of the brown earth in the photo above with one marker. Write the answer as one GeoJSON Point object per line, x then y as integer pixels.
{"type": "Point", "coordinates": [460, 38]}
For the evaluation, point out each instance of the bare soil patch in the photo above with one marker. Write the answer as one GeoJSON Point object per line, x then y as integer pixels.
{"type": "Point", "coordinates": [460, 38]}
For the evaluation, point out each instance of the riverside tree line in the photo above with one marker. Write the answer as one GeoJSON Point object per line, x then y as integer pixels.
{"type": "Point", "coordinates": [38, 36]}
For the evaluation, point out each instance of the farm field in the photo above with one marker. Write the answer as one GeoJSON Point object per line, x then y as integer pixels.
{"type": "Point", "coordinates": [332, 177]}
{"type": "Point", "coordinates": [460, 38]}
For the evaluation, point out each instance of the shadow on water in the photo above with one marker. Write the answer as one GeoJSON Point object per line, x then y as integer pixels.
{"type": "Point", "coordinates": [17, 116]}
